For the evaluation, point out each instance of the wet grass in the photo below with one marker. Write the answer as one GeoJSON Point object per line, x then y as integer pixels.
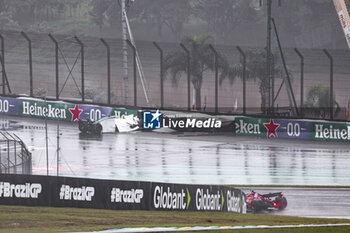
{"type": "Point", "coordinates": [48, 219]}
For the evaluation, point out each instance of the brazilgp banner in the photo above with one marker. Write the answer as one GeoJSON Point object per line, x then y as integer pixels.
{"type": "Point", "coordinates": [24, 190]}
{"type": "Point", "coordinates": [118, 195]}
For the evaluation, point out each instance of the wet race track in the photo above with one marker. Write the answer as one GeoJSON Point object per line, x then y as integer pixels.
{"type": "Point", "coordinates": [196, 158]}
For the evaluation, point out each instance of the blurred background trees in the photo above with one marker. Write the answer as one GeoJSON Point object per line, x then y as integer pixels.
{"type": "Point", "coordinates": [228, 21]}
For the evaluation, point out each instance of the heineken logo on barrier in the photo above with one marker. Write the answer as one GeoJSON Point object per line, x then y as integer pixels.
{"type": "Point", "coordinates": [247, 127]}
{"type": "Point", "coordinates": [76, 193]}
{"type": "Point", "coordinates": [335, 132]}
{"type": "Point", "coordinates": [62, 110]}
{"type": "Point", "coordinates": [51, 110]}
{"type": "Point", "coordinates": [27, 190]}
{"type": "Point", "coordinates": [252, 128]}
{"type": "Point", "coordinates": [271, 128]}
{"type": "Point", "coordinates": [75, 112]}
{"type": "Point", "coordinates": [42, 110]}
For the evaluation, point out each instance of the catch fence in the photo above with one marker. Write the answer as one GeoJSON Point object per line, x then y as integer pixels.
{"type": "Point", "coordinates": [89, 69]}
{"type": "Point", "coordinates": [14, 155]}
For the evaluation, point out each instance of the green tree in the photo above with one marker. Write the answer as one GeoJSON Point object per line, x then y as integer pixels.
{"type": "Point", "coordinates": [98, 12]}
{"type": "Point", "coordinates": [256, 70]}
{"type": "Point", "coordinates": [163, 13]}
{"type": "Point", "coordinates": [318, 101]}
{"type": "Point", "coordinates": [202, 59]}
{"type": "Point", "coordinates": [223, 16]}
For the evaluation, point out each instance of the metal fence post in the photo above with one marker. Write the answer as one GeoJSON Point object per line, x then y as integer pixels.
{"type": "Point", "coordinates": [3, 63]}
{"type": "Point", "coordinates": [134, 71]}
{"type": "Point", "coordinates": [15, 152]}
{"type": "Point", "coordinates": [244, 77]}
{"type": "Point", "coordinates": [331, 83]}
{"type": "Point", "coordinates": [30, 62]}
{"type": "Point", "coordinates": [216, 58]}
{"type": "Point", "coordinates": [272, 86]}
{"type": "Point", "coordinates": [161, 74]}
{"type": "Point", "coordinates": [301, 81]}
{"type": "Point", "coordinates": [23, 162]}
{"type": "Point", "coordinates": [108, 70]}
{"type": "Point", "coordinates": [0, 163]}
{"type": "Point", "coordinates": [188, 76]}
{"type": "Point", "coordinates": [8, 155]}
{"type": "Point", "coordinates": [82, 68]}
{"type": "Point", "coordinates": [57, 67]}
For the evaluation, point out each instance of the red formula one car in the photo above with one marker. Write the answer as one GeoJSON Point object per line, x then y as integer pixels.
{"type": "Point", "coordinates": [258, 202]}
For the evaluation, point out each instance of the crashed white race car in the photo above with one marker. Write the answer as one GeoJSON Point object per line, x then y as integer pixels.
{"type": "Point", "coordinates": [125, 123]}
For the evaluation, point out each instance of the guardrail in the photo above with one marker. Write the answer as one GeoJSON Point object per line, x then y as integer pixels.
{"type": "Point", "coordinates": [14, 155]}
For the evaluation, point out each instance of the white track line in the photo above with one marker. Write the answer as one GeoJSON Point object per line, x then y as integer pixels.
{"type": "Point", "coordinates": [211, 228]}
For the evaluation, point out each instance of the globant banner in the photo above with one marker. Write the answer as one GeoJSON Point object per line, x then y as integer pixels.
{"type": "Point", "coordinates": [287, 128]}
{"type": "Point", "coordinates": [197, 198]}
{"type": "Point", "coordinates": [52, 110]}
{"type": "Point", "coordinates": [117, 195]}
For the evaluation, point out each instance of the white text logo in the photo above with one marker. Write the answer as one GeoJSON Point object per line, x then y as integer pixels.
{"type": "Point", "coordinates": [77, 194]}
{"type": "Point", "coordinates": [126, 196]}
{"type": "Point", "coordinates": [26, 190]}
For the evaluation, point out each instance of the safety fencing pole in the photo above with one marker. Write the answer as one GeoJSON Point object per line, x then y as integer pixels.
{"type": "Point", "coordinates": [331, 83]}
{"type": "Point", "coordinates": [243, 77]}
{"type": "Point", "coordinates": [108, 70]}
{"type": "Point", "coordinates": [188, 55]}
{"type": "Point", "coordinates": [161, 74]}
{"type": "Point", "coordinates": [216, 59]}
{"type": "Point", "coordinates": [301, 81]}
{"type": "Point", "coordinates": [134, 71]}
{"type": "Point", "coordinates": [3, 63]}
{"type": "Point", "coordinates": [82, 68]}
{"type": "Point", "coordinates": [30, 62]}
{"type": "Point", "coordinates": [56, 65]}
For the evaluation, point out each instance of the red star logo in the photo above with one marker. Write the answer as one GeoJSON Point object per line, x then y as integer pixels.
{"type": "Point", "coordinates": [271, 127]}
{"type": "Point", "coordinates": [75, 112]}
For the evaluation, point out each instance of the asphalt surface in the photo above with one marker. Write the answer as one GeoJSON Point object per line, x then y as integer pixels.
{"type": "Point", "coordinates": [197, 158]}
{"type": "Point", "coordinates": [311, 202]}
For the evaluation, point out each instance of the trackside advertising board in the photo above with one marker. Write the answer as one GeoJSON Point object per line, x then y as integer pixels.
{"type": "Point", "coordinates": [286, 128]}
{"type": "Point", "coordinates": [65, 111]}
{"type": "Point", "coordinates": [197, 198]}
{"type": "Point", "coordinates": [117, 195]}
{"type": "Point", "coordinates": [9, 106]}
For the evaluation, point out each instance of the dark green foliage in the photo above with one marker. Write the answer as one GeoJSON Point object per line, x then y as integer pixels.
{"type": "Point", "coordinates": [318, 101]}
{"type": "Point", "coordinates": [202, 59]}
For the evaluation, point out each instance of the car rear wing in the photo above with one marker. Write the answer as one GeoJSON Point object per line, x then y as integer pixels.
{"type": "Point", "coordinates": [272, 194]}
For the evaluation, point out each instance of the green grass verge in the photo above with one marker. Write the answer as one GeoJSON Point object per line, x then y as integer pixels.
{"type": "Point", "coordinates": [49, 219]}
{"type": "Point", "coordinates": [289, 230]}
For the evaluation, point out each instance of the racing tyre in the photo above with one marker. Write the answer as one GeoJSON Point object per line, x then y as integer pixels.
{"type": "Point", "coordinates": [281, 203]}
{"type": "Point", "coordinates": [98, 128]}
{"type": "Point", "coordinates": [83, 126]}
{"type": "Point", "coordinates": [257, 205]}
